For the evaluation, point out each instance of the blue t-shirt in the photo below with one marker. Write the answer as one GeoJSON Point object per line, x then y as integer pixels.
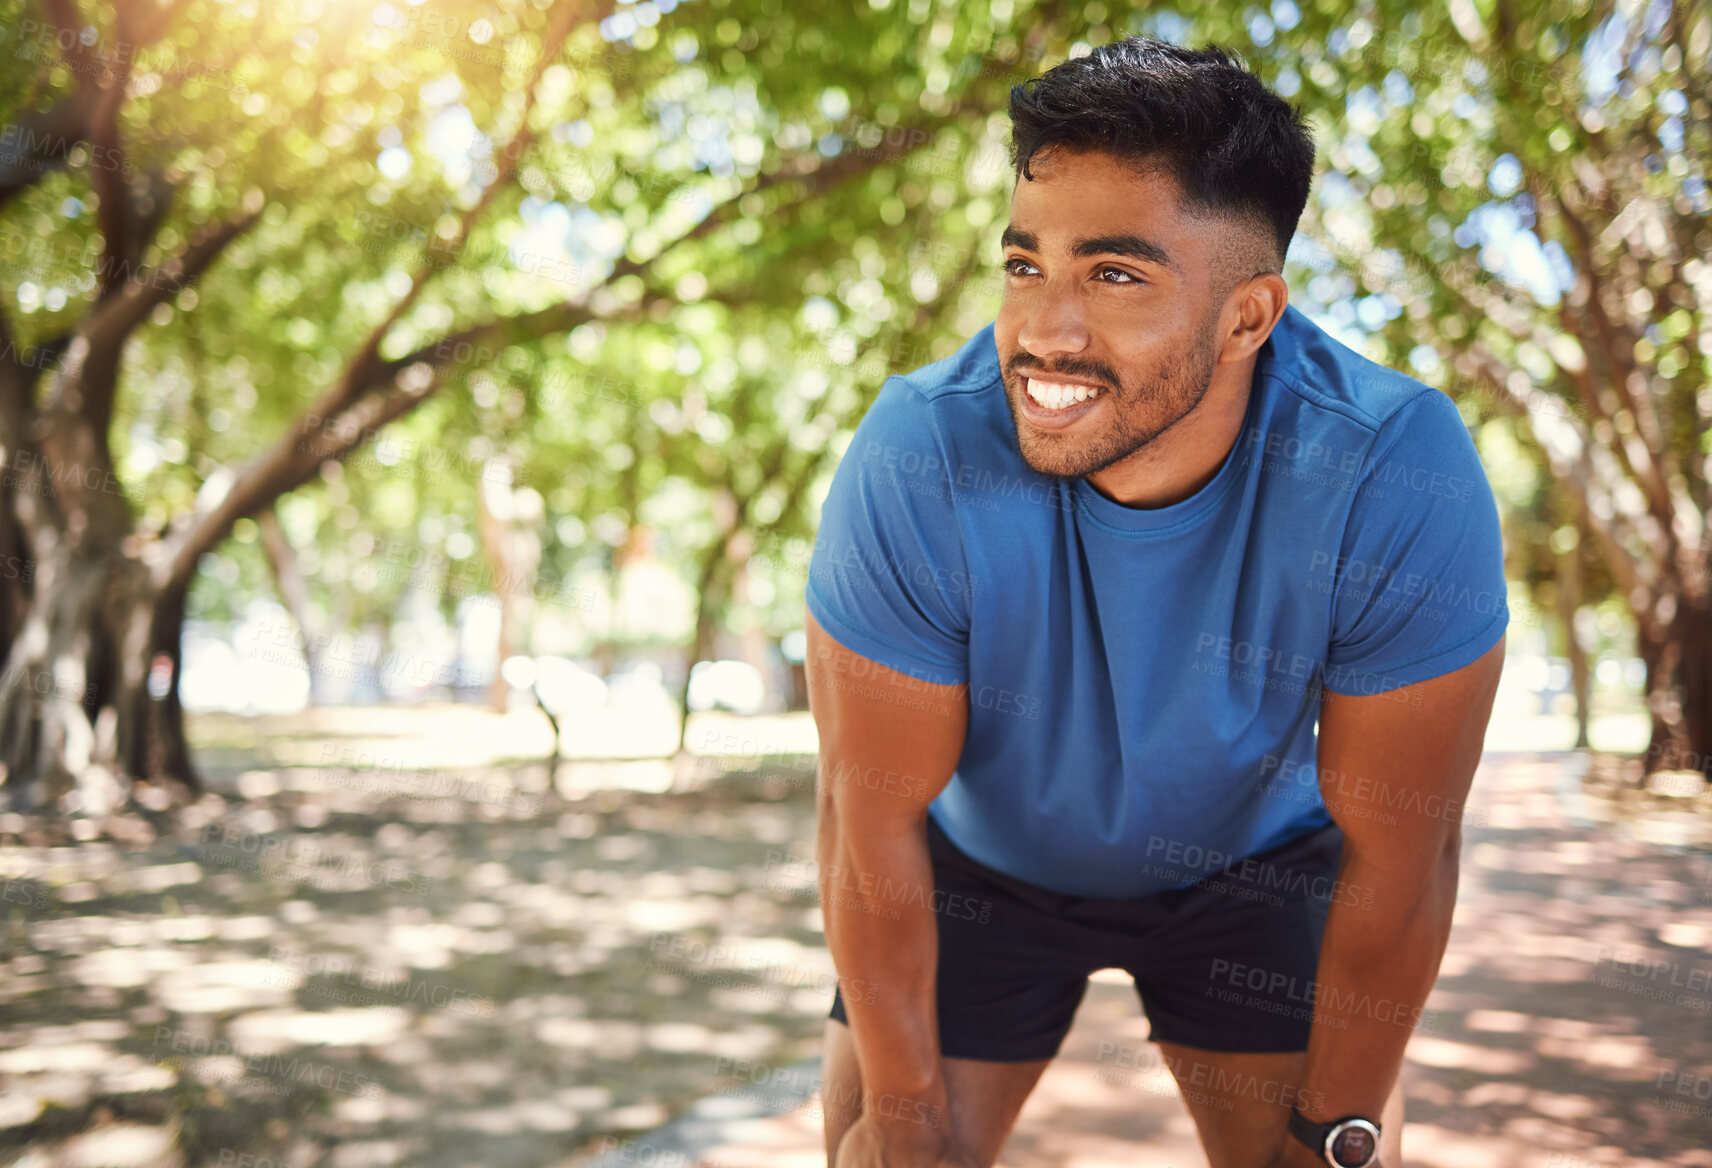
{"type": "Point", "coordinates": [1144, 684]}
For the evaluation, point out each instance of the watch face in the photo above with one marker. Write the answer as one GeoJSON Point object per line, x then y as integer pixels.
{"type": "Point", "coordinates": [1354, 1147]}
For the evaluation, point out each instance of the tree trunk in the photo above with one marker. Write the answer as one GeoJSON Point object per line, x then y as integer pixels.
{"type": "Point", "coordinates": [14, 566]}
{"type": "Point", "coordinates": [512, 556]}
{"type": "Point", "coordinates": [1570, 596]}
{"type": "Point", "coordinates": [1693, 633]}
{"type": "Point", "coordinates": [78, 714]}
{"type": "Point", "coordinates": [48, 738]}
{"type": "Point", "coordinates": [293, 591]}
{"type": "Point", "coordinates": [90, 688]}
{"type": "Point", "coordinates": [1668, 746]}
{"type": "Point", "coordinates": [710, 599]}
{"type": "Point", "coordinates": [151, 739]}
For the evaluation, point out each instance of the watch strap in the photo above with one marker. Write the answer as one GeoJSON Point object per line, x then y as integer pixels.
{"type": "Point", "coordinates": [1310, 1133]}
{"type": "Point", "coordinates": [1314, 1135]}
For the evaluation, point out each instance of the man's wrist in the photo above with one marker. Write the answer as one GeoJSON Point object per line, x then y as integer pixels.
{"type": "Point", "coordinates": [1350, 1140]}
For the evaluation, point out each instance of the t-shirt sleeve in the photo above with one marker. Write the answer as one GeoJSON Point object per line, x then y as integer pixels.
{"type": "Point", "coordinates": [888, 579]}
{"type": "Point", "coordinates": [1420, 581]}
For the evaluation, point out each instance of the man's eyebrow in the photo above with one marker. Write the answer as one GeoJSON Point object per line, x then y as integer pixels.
{"type": "Point", "coordinates": [1130, 245]}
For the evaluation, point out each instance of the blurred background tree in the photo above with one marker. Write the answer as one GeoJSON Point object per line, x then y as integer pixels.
{"type": "Point", "coordinates": [389, 306]}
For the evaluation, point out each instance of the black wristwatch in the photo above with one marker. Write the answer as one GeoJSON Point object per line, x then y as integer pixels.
{"type": "Point", "coordinates": [1350, 1142]}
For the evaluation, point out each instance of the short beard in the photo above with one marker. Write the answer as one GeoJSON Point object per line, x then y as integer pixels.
{"type": "Point", "coordinates": [1178, 390]}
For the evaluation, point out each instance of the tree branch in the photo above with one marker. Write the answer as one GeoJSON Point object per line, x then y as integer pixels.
{"type": "Point", "coordinates": [295, 457]}
{"type": "Point", "coordinates": [99, 339]}
{"type": "Point", "coordinates": [1642, 452]}
{"type": "Point", "coordinates": [110, 323]}
{"type": "Point", "coordinates": [124, 228]}
{"type": "Point", "coordinates": [37, 145]}
{"type": "Point", "coordinates": [358, 368]}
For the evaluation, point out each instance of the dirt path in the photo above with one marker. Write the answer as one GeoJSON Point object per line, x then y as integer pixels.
{"type": "Point", "coordinates": [346, 972]}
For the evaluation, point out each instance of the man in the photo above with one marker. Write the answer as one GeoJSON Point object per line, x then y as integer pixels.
{"type": "Point", "coordinates": [1153, 630]}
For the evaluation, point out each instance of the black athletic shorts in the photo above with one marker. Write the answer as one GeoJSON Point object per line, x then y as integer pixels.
{"type": "Point", "coordinates": [1225, 964]}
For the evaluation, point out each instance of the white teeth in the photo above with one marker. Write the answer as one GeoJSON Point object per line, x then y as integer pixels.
{"type": "Point", "coordinates": [1054, 395]}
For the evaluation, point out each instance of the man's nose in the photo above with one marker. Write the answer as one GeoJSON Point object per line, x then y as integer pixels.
{"type": "Point", "coordinates": [1052, 320]}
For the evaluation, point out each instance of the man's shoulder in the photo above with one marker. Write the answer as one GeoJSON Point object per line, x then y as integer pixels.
{"type": "Point", "coordinates": [957, 400]}
{"type": "Point", "coordinates": [1325, 372]}
{"type": "Point", "coordinates": [965, 374]}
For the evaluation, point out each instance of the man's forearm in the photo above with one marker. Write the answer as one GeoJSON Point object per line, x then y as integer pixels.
{"type": "Point", "coordinates": [1378, 963]}
{"type": "Point", "coordinates": [876, 897]}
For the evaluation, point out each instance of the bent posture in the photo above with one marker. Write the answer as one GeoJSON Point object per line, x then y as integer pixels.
{"type": "Point", "coordinates": [1153, 630]}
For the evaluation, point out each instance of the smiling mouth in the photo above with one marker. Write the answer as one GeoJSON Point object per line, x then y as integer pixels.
{"type": "Point", "coordinates": [1059, 395]}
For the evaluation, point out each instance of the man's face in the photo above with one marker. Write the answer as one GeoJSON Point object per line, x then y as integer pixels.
{"type": "Point", "coordinates": [1108, 287]}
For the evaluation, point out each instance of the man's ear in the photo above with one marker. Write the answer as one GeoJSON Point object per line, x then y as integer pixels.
{"type": "Point", "coordinates": [1253, 308]}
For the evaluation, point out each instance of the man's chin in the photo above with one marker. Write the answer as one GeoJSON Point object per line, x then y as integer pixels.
{"type": "Point", "coordinates": [1056, 460]}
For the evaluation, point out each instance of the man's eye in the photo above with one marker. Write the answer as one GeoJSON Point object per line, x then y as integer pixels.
{"type": "Point", "coordinates": [1127, 278]}
{"type": "Point", "coordinates": [1010, 266]}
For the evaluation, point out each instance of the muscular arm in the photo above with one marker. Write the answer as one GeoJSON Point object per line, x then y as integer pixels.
{"type": "Point", "coordinates": [1395, 769]}
{"type": "Point", "coordinates": [888, 745]}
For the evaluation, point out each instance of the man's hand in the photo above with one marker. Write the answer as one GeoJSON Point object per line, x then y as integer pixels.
{"type": "Point", "coordinates": [873, 1142]}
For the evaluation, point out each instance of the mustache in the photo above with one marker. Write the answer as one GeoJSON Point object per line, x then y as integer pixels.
{"type": "Point", "coordinates": [1081, 367]}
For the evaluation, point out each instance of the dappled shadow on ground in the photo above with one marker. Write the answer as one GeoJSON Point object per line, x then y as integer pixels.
{"type": "Point", "coordinates": [342, 972]}
{"type": "Point", "coordinates": [1573, 1013]}
{"type": "Point", "coordinates": [357, 968]}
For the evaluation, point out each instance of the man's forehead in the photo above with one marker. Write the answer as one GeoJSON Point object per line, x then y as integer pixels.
{"type": "Point", "coordinates": [1148, 182]}
{"type": "Point", "coordinates": [1099, 206]}
{"type": "Point", "coordinates": [1113, 207]}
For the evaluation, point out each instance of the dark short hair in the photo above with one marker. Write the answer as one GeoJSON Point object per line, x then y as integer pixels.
{"type": "Point", "coordinates": [1232, 145]}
